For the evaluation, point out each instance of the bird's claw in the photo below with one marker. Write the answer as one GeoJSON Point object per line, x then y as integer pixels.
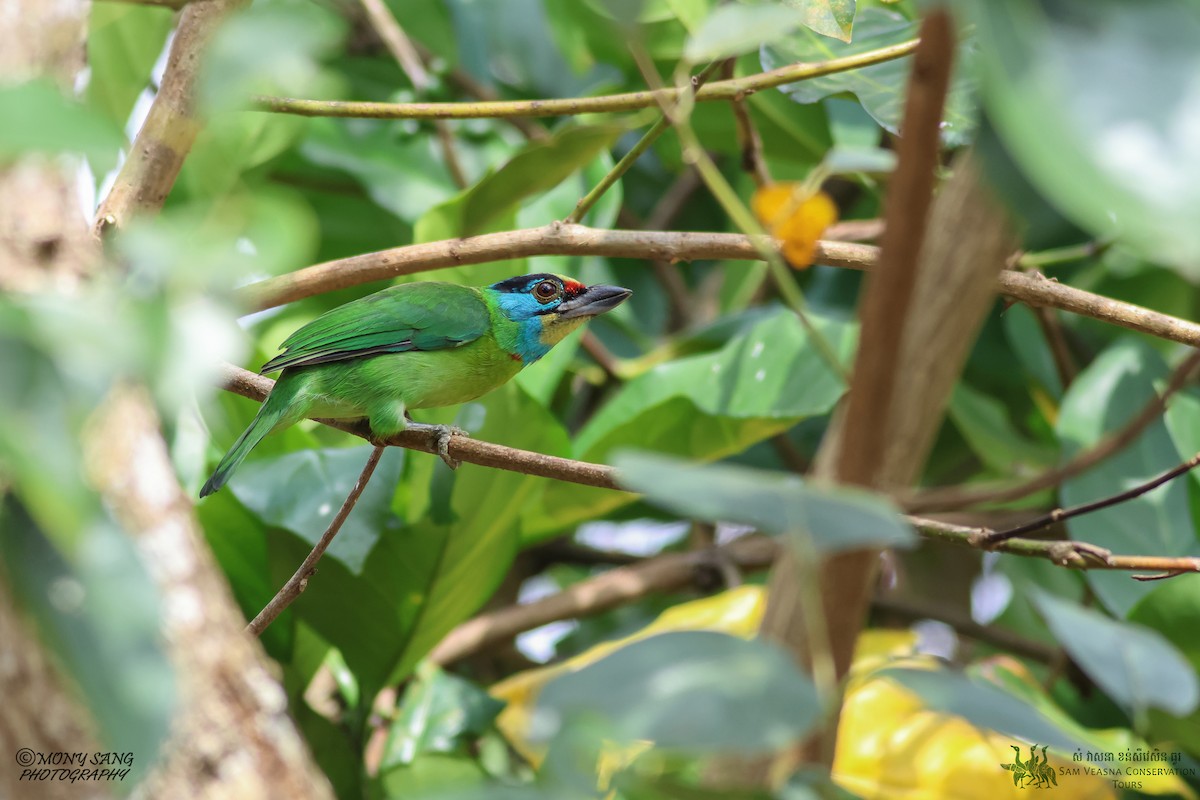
{"type": "Point", "coordinates": [443, 434]}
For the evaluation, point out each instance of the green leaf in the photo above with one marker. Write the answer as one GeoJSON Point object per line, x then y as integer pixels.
{"type": "Point", "coordinates": [232, 144]}
{"type": "Point", "coordinates": [402, 174]}
{"type": "Point", "coordinates": [704, 407]}
{"type": "Point", "coordinates": [734, 29]}
{"type": "Point", "coordinates": [420, 580]}
{"type": "Point", "coordinates": [831, 518]}
{"type": "Point", "coordinates": [771, 372]}
{"type": "Point", "coordinates": [1112, 389]}
{"type": "Point", "coordinates": [1136, 666]}
{"type": "Point", "coordinates": [124, 42]}
{"type": "Point", "coordinates": [833, 18]}
{"type": "Point", "coordinates": [270, 47]}
{"type": "Point", "coordinates": [695, 691]}
{"type": "Point", "coordinates": [38, 119]}
{"type": "Point", "coordinates": [439, 713]}
{"type": "Point", "coordinates": [880, 87]}
{"type": "Point", "coordinates": [540, 166]}
{"type": "Point", "coordinates": [983, 421]}
{"type": "Point", "coordinates": [1096, 102]}
{"type": "Point", "coordinates": [303, 491]}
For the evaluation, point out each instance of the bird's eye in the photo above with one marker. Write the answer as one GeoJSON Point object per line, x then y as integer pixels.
{"type": "Point", "coordinates": [546, 291]}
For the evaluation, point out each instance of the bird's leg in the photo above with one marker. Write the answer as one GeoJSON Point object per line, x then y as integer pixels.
{"type": "Point", "coordinates": [443, 433]}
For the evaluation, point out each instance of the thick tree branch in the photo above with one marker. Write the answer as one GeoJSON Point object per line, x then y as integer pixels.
{"type": "Point", "coordinates": [669, 246]}
{"type": "Point", "coordinates": [887, 423]}
{"type": "Point", "coordinates": [596, 595]}
{"type": "Point", "coordinates": [631, 101]}
{"type": "Point", "coordinates": [299, 581]}
{"type": "Point", "coordinates": [166, 136]}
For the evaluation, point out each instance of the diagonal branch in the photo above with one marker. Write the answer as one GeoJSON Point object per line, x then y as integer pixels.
{"type": "Point", "coordinates": [958, 497]}
{"type": "Point", "coordinates": [1076, 555]}
{"type": "Point", "coordinates": [1063, 514]}
{"type": "Point", "coordinates": [598, 594]}
{"type": "Point", "coordinates": [299, 581]}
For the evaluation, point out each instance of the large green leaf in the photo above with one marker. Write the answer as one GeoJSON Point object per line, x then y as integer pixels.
{"type": "Point", "coordinates": [272, 47]}
{"type": "Point", "coordinates": [402, 174]}
{"type": "Point", "coordinates": [830, 518]}
{"type": "Point", "coordinates": [1104, 397]}
{"type": "Point", "coordinates": [438, 714]}
{"type": "Point", "coordinates": [538, 167]}
{"type": "Point", "coordinates": [421, 579]}
{"type": "Point", "coordinates": [880, 87]}
{"type": "Point", "coordinates": [704, 407]}
{"type": "Point", "coordinates": [232, 144]}
{"type": "Point", "coordinates": [983, 421]}
{"type": "Point", "coordinates": [696, 691]}
{"type": "Point", "coordinates": [1136, 666]}
{"type": "Point", "coordinates": [1095, 100]}
{"type": "Point", "coordinates": [124, 41]}
{"type": "Point", "coordinates": [303, 491]}
{"type": "Point", "coordinates": [770, 373]}
{"type": "Point", "coordinates": [38, 119]}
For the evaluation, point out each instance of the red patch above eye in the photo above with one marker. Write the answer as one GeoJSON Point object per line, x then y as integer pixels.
{"type": "Point", "coordinates": [573, 288]}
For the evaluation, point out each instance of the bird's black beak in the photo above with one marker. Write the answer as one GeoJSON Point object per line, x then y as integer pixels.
{"type": "Point", "coordinates": [594, 300]}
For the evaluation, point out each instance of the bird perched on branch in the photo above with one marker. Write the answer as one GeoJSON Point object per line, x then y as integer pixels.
{"type": "Point", "coordinates": [417, 345]}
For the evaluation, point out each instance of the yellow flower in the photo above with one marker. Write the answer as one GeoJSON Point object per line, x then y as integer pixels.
{"type": "Point", "coordinates": [797, 220]}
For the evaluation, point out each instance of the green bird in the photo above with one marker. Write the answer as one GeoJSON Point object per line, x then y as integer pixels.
{"type": "Point", "coordinates": [417, 345]}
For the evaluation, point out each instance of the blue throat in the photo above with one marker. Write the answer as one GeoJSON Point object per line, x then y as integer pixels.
{"type": "Point", "coordinates": [523, 310]}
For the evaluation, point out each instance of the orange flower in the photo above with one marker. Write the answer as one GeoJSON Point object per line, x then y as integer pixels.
{"type": "Point", "coordinates": [795, 219]}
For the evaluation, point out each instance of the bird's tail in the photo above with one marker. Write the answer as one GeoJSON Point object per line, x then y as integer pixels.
{"type": "Point", "coordinates": [270, 415]}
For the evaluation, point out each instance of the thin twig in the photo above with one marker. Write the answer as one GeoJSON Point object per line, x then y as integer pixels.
{"type": "Point", "coordinates": [555, 107]}
{"type": "Point", "coordinates": [406, 55]}
{"type": "Point", "coordinates": [643, 144]}
{"type": "Point", "coordinates": [595, 348]}
{"type": "Point", "coordinates": [752, 155]}
{"type": "Point", "coordinates": [1063, 552]}
{"type": "Point", "coordinates": [681, 304]}
{"type": "Point", "coordinates": [299, 580]}
{"type": "Point", "coordinates": [1061, 514]}
{"type": "Point", "coordinates": [1060, 348]}
{"type": "Point", "coordinates": [531, 130]}
{"type": "Point", "coordinates": [958, 497]}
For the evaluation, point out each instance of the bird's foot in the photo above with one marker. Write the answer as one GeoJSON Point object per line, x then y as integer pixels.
{"type": "Point", "coordinates": [443, 433]}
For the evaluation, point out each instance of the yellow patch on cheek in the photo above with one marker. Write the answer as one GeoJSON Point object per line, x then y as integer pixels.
{"type": "Point", "coordinates": [554, 330]}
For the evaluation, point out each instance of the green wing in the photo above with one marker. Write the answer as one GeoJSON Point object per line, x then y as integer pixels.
{"type": "Point", "coordinates": [414, 316]}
